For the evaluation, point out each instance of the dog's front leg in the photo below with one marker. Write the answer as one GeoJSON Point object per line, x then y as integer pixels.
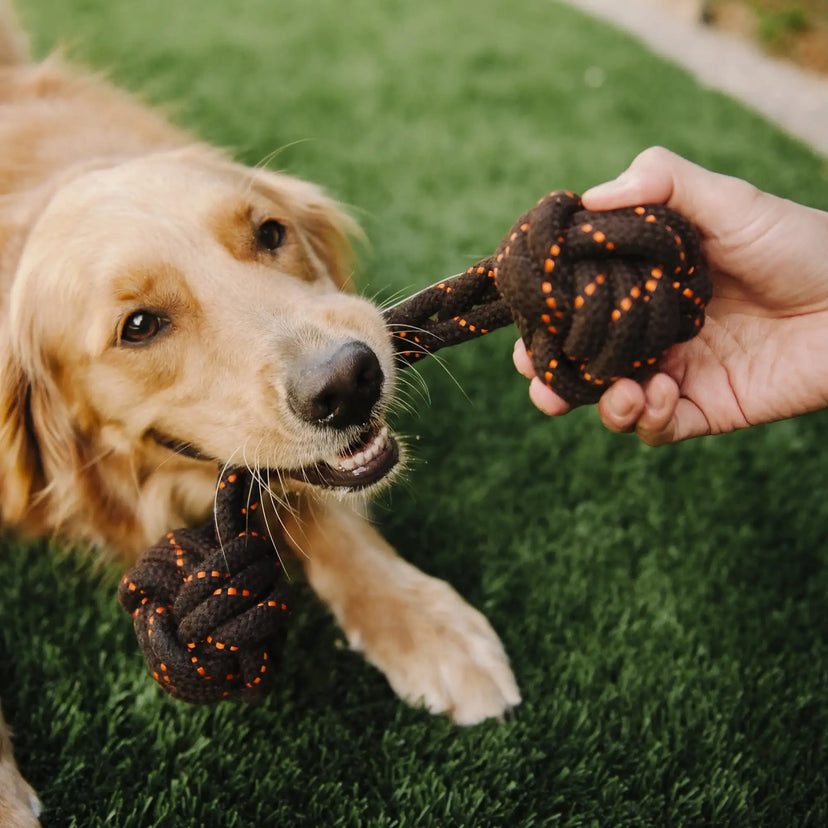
{"type": "Point", "coordinates": [433, 647]}
{"type": "Point", "coordinates": [19, 807]}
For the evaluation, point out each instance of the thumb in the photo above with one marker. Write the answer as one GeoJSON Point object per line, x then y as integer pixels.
{"type": "Point", "coordinates": [657, 176]}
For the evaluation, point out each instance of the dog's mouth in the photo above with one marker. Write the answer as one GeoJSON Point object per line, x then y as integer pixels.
{"type": "Point", "coordinates": [368, 460]}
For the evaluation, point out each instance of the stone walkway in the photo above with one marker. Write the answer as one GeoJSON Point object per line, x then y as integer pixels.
{"type": "Point", "coordinates": [795, 99]}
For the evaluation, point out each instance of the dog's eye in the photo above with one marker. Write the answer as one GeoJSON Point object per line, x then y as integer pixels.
{"type": "Point", "coordinates": [271, 234]}
{"type": "Point", "coordinates": [141, 327]}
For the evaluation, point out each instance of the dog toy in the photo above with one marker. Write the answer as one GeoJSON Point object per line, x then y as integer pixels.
{"type": "Point", "coordinates": [595, 296]}
{"type": "Point", "coordinates": [210, 605]}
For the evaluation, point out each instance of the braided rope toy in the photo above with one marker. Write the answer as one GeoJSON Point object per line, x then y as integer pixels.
{"type": "Point", "coordinates": [210, 605]}
{"type": "Point", "coordinates": [595, 295]}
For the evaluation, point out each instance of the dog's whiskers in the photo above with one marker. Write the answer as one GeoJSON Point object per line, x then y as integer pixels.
{"type": "Point", "coordinates": [414, 383]}
{"type": "Point", "coordinates": [277, 504]}
{"type": "Point", "coordinates": [397, 327]}
{"type": "Point", "coordinates": [264, 489]}
{"type": "Point", "coordinates": [179, 451]}
{"type": "Point", "coordinates": [265, 161]}
{"type": "Point", "coordinates": [389, 301]}
{"type": "Point", "coordinates": [219, 538]}
{"type": "Point", "coordinates": [253, 482]}
{"type": "Point", "coordinates": [443, 365]}
{"type": "Point", "coordinates": [408, 401]}
{"type": "Point", "coordinates": [402, 405]}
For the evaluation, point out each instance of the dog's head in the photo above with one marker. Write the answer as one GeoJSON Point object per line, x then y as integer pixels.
{"type": "Point", "coordinates": [187, 301]}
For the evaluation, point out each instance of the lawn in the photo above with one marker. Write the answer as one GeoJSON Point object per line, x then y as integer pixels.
{"type": "Point", "coordinates": [666, 611]}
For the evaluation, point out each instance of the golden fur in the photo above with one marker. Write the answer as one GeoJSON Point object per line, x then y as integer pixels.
{"type": "Point", "coordinates": [106, 209]}
{"type": "Point", "coordinates": [74, 456]}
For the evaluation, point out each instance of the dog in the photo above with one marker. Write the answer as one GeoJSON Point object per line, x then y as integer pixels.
{"type": "Point", "coordinates": [166, 310]}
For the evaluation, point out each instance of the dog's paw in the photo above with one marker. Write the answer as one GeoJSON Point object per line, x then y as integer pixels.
{"type": "Point", "coordinates": [436, 651]}
{"type": "Point", "coordinates": [19, 805]}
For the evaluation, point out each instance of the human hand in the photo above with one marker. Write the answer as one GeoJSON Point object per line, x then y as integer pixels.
{"type": "Point", "coordinates": [762, 354]}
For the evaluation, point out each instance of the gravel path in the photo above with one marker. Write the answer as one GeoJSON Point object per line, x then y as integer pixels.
{"type": "Point", "coordinates": [795, 99]}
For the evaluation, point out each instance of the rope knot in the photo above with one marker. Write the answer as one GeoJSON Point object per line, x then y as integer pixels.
{"type": "Point", "coordinates": [595, 295]}
{"type": "Point", "coordinates": [209, 606]}
{"type": "Point", "coordinates": [600, 295]}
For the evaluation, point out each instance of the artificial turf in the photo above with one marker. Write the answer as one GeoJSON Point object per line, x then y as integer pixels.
{"type": "Point", "coordinates": [665, 610]}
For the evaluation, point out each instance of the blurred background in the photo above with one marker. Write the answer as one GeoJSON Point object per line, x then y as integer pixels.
{"type": "Point", "coordinates": [794, 29]}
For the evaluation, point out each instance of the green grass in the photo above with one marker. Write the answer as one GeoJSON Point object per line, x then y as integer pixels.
{"type": "Point", "coordinates": [665, 610]}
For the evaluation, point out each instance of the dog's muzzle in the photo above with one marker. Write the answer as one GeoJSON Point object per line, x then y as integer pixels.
{"type": "Point", "coordinates": [341, 389]}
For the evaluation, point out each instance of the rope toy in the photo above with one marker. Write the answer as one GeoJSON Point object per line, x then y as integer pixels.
{"type": "Point", "coordinates": [210, 605]}
{"type": "Point", "coordinates": [595, 296]}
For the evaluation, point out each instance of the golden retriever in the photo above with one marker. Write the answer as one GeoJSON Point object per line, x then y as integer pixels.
{"type": "Point", "coordinates": [166, 310]}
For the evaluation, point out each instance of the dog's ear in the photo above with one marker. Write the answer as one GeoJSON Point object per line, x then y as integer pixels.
{"type": "Point", "coordinates": [326, 227]}
{"type": "Point", "coordinates": [20, 469]}
{"type": "Point", "coordinates": [37, 441]}
{"type": "Point", "coordinates": [329, 230]}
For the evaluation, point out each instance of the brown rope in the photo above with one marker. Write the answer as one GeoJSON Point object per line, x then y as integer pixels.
{"type": "Point", "coordinates": [595, 295]}
{"type": "Point", "coordinates": [210, 606]}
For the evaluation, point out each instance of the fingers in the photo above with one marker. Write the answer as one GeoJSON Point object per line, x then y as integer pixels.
{"type": "Point", "coordinates": [522, 361]}
{"type": "Point", "coordinates": [547, 400]}
{"type": "Point", "coordinates": [543, 398]}
{"type": "Point", "coordinates": [658, 176]}
{"type": "Point", "coordinates": [655, 411]}
{"type": "Point", "coordinates": [648, 180]}
{"type": "Point", "coordinates": [649, 410]}
{"type": "Point", "coordinates": [656, 425]}
{"type": "Point", "coordinates": [621, 406]}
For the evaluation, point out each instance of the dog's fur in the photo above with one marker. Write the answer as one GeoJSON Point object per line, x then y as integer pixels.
{"type": "Point", "coordinates": [105, 210]}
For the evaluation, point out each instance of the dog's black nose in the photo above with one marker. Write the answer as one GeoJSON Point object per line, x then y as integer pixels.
{"type": "Point", "coordinates": [339, 389]}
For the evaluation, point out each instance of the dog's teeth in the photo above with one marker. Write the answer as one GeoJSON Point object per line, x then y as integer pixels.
{"type": "Point", "coordinates": [366, 455]}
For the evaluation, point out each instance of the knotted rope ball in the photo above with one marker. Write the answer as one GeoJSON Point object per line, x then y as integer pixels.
{"type": "Point", "coordinates": [210, 606]}
{"type": "Point", "coordinates": [595, 295]}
